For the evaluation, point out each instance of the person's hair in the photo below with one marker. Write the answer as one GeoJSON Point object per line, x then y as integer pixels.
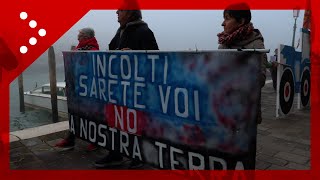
{"type": "Point", "coordinates": [89, 32]}
{"type": "Point", "coordinates": [135, 15]}
{"type": "Point", "coordinates": [239, 11]}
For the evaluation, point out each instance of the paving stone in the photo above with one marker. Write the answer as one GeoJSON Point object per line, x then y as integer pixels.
{"type": "Point", "coordinates": [276, 167]}
{"type": "Point", "coordinates": [308, 163]}
{"type": "Point", "coordinates": [302, 146]}
{"type": "Point", "coordinates": [301, 152]}
{"type": "Point", "coordinates": [277, 144]}
{"type": "Point", "coordinates": [292, 157]}
{"type": "Point", "coordinates": [280, 126]}
{"type": "Point", "coordinates": [265, 125]}
{"type": "Point", "coordinates": [19, 150]}
{"type": "Point", "coordinates": [35, 165]}
{"type": "Point", "coordinates": [39, 149]}
{"type": "Point", "coordinates": [261, 165]}
{"type": "Point", "coordinates": [259, 147]}
{"type": "Point", "coordinates": [262, 128]}
{"type": "Point", "coordinates": [19, 159]}
{"type": "Point", "coordinates": [96, 155]}
{"type": "Point", "coordinates": [272, 160]}
{"type": "Point", "coordinates": [76, 155]}
{"type": "Point", "coordinates": [15, 144]}
{"type": "Point", "coordinates": [290, 138]}
{"type": "Point", "coordinates": [267, 151]}
{"type": "Point", "coordinates": [62, 134]}
{"type": "Point", "coordinates": [61, 163]}
{"type": "Point", "coordinates": [265, 140]}
{"type": "Point", "coordinates": [261, 132]}
{"type": "Point", "coordinates": [48, 156]}
{"type": "Point", "coordinates": [296, 166]}
{"type": "Point", "coordinates": [277, 147]}
{"type": "Point", "coordinates": [32, 142]}
{"type": "Point", "coordinates": [50, 137]}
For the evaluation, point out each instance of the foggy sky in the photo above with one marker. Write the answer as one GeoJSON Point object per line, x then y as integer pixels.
{"type": "Point", "coordinates": [185, 29]}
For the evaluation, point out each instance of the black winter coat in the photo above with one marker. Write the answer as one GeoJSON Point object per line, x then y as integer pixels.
{"type": "Point", "coordinates": [136, 36]}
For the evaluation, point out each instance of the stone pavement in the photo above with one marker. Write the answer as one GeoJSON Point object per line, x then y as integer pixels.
{"type": "Point", "coordinates": [282, 143]}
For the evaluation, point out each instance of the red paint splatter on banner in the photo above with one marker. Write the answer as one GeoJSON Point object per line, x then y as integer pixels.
{"type": "Point", "coordinates": [128, 120]}
{"type": "Point", "coordinates": [192, 136]}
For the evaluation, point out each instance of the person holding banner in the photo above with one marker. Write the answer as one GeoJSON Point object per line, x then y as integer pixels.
{"type": "Point", "coordinates": [133, 34]}
{"type": "Point", "coordinates": [87, 41]}
{"type": "Point", "coordinates": [239, 33]}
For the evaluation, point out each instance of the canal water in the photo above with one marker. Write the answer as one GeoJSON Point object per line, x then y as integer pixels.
{"type": "Point", "coordinates": [35, 75]}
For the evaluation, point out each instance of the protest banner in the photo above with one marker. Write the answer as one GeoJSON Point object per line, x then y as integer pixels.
{"type": "Point", "coordinates": [174, 110]}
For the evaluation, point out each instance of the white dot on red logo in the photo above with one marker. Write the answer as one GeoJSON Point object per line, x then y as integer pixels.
{"type": "Point", "coordinates": [23, 49]}
{"type": "Point", "coordinates": [23, 15]}
{"type": "Point", "coordinates": [33, 24]}
{"type": "Point", "coordinates": [42, 32]}
{"type": "Point", "coordinates": [33, 41]}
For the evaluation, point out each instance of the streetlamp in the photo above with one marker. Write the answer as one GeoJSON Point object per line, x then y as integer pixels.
{"type": "Point", "coordinates": [295, 16]}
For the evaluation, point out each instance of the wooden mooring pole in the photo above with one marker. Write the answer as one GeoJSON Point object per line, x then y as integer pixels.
{"type": "Point", "coordinates": [21, 95]}
{"type": "Point", "coordinates": [53, 84]}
